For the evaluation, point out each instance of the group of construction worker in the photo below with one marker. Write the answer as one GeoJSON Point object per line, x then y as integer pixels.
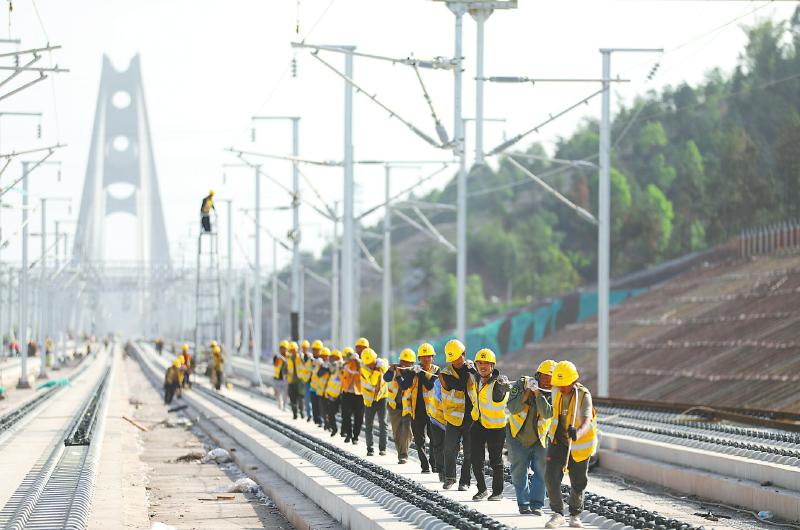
{"type": "Point", "coordinates": [546, 420]}
{"type": "Point", "coordinates": [178, 374]}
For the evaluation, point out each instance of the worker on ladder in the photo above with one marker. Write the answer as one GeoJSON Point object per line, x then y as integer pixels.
{"type": "Point", "coordinates": [205, 211]}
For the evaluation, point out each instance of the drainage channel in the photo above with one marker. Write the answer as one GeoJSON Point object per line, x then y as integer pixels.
{"type": "Point", "coordinates": [600, 508]}
{"type": "Point", "coordinates": [57, 492]}
{"type": "Point", "coordinates": [10, 421]}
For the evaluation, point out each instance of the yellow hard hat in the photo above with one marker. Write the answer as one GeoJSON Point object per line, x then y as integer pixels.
{"type": "Point", "coordinates": [179, 360]}
{"type": "Point", "coordinates": [486, 355]}
{"type": "Point", "coordinates": [293, 346]}
{"type": "Point", "coordinates": [546, 367]}
{"type": "Point", "coordinates": [453, 350]}
{"type": "Point", "coordinates": [325, 352]}
{"type": "Point", "coordinates": [216, 349]}
{"type": "Point", "coordinates": [285, 344]}
{"type": "Point", "coordinates": [211, 192]}
{"type": "Point", "coordinates": [426, 350]}
{"type": "Point", "coordinates": [336, 353]}
{"type": "Point", "coordinates": [564, 374]}
{"type": "Point", "coordinates": [408, 355]}
{"type": "Point", "coordinates": [347, 352]}
{"type": "Point", "coordinates": [305, 344]}
{"type": "Point", "coordinates": [368, 356]}
{"type": "Point", "coordinates": [185, 347]}
{"type": "Point", "coordinates": [213, 343]}
{"type": "Point", "coordinates": [317, 345]}
{"type": "Point", "coordinates": [176, 363]}
{"type": "Point", "coordinates": [362, 342]}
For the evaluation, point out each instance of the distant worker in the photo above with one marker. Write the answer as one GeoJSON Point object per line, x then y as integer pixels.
{"type": "Point", "coordinates": [48, 352]}
{"type": "Point", "coordinates": [573, 439]}
{"type": "Point", "coordinates": [415, 404]}
{"type": "Point", "coordinates": [488, 394]}
{"type": "Point", "coordinates": [529, 415]}
{"type": "Point", "coordinates": [399, 378]}
{"type": "Point", "coordinates": [373, 391]}
{"type": "Point", "coordinates": [186, 366]}
{"type": "Point", "coordinates": [457, 408]}
{"type": "Point", "coordinates": [294, 384]}
{"type": "Point", "coordinates": [316, 349]}
{"type": "Point", "coordinates": [351, 401]}
{"type": "Point", "coordinates": [217, 366]}
{"type": "Point", "coordinates": [205, 211]}
{"type": "Point", "coordinates": [308, 364]}
{"type": "Point", "coordinates": [159, 343]}
{"type": "Point", "coordinates": [333, 391]}
{"type": "Point", "coordinates": [280, 366]}
{"type": "Point", "coordinates": [171, 381]}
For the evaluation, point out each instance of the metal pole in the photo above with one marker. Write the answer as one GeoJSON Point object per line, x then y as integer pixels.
{"type": "Point", "coordinates": [386, 326]}
{"type": "Point", "coordinates": [461, 191]}
{"type": "Point", "coordinates": [604, 232]}
{"type": "Point", "coordinates": [23, 286]}
{"type": "Point", "coordinates": [480, 16]}
{"type": "Point", "coordinates": [42, 298]}
{"type": "Point", "coordinates": [335, 281]}
{"type": "Point", "coordinates": [229, 288]}
{"type": "Point", "coordinates": [302, 309]}
{"type": "Point", "coordinates": [275, 331]}
{"type": "Point", "coordinates": [348, 329]}
{"type": "Point", "coordinates": [296, 279]}
{"type": "Point", "coordinates": [257, 286]}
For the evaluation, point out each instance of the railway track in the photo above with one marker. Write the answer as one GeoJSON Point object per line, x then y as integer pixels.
{"type": "Point", "coordinates": [57, 491]}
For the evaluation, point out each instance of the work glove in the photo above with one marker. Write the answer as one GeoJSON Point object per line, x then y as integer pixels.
{"type": "Point", "coordinates": [417, 368]}
{"type": "Point", "coordinates": [382, 363]}
{"type": "Point", "coordinates": [470, 364]}
{"type": "Point", "coordinates": [503, 380]}
{"type": "Point", "coordinates": [355, 357]}
{"type": "Point", "coordinates": [573, 433]}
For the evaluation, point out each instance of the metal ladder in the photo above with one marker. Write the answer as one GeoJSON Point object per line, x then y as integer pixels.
{"type": "Point", "coordinates": [208, 294]}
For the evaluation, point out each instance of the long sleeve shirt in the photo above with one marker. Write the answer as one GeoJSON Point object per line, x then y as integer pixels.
{"type": "Point", "coordinates": [450, 382]}
{"type": "Point", "coordinates": [539, 406]}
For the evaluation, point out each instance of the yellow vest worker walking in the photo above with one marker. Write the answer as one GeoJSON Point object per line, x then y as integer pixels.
{"type": "Point", "coordinates": [205, 211]}
{"type": "Point", "coordinates": [295, 386]}
{"type": "Point", "coordinates": [415, 404]}
{"type": "Point", "coordinates": [280, 365]}
{"type": "Point", "coordinates": [457, 409]}
{"type": "Point", "coordinates": [351, 400]}
{"type": "Point", "coordinates": [573, 439]}
{"type": "Point", "coordinates": [529, 417]}
{"type": "Point", "coordinates": [171, 381]}
{"type": "Point", "coordinates": [217, 366]}
{"type": "Point", "coordinates": [333, 390]}
{"type": "Point", "coordinates": [398, 378]}
{"type": "Point", "coordinates": [373, 391]}
{"type": "Point", "coordinates": [488, 394]}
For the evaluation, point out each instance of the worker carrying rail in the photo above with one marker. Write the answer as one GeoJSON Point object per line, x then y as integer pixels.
{"type": "Point", "coordinates": [415, 405]}
{"type": "Point", "coordinates": [295, 384]}
{"type": "Point", "coordinates": [205, 211]}
{"type": "Point", "coordinates": [455, 381]}
{"type": "Point", "coordinates": [530, 413]}
{"type": "Point", "coordinates": [333, 390]}
{"type": "Point", "coordinates": [399, 378]}
{"type": "Point", "coordinates": [281, 364]}
{"type": "Point", "coordinates": [573, 439]}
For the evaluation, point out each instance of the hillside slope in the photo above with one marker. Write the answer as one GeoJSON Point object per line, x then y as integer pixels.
{"type": "Point", "coordinates": [722, 334]}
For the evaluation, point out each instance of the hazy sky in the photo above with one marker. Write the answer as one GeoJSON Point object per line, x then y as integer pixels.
{"type": "Point", "coordinates": [209, 65]}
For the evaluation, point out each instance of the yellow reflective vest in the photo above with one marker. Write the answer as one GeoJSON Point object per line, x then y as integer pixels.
{"type": "Point", "coordinates": [318, 382]}
{"type": "Point", "coordinates": [491, 413]}
{"type": "Point", "coordinates": [585, 446]}
{"type": "Point", "coordinates": [516, 421]}
{"type": "Point", "coordinates": [304, 370]}
{"type": "Point", "coordinates": [454, 401]}
{"type": "Point", "coordinates": [334, 387]}
{"type": "Point", "coordinates": [392, 388]}
{"type": "Point", "coordinates": [372, 387]}
{"type": "Point", "coordinates": [410, 395]}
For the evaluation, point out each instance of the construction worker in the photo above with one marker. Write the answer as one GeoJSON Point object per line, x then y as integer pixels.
{"type": "Point", "coordinates": [159, 346]}
{"type": "Point", "coordinates": [48, 351]}
{"type": "Point", "coordinates": [351, 401]}
{"type": "Point", "coordinates": [399, 378]}
{"type": "Point", "coordinates": [178, 390]}
{"type": "Point", "coordinates": [529, 415]}
{"type": "Point", "coordinates": [171, 381]}
{"type": "Point", "coordinates": [316, 350]}
{"type": "Point", "coordinates": [295, 385]}
{"type": "Point", "coordinates": [304, 375]}
{"type": "Point", "coordinates": [280, 365]}
{"type": "Point", "coordinates": [435, 411]}
{"type": "Point", "coordinates": [415, 403]}
{"type": "Point", "coordinates": [455, 380]}
{"type": "Point", "coordinates": [217, 366]}
{"type": "Point", "coordinates": [323, 375]}
{"type": "Point", "coordinates": [187, 365]}
{"type": "Point", "coordinates": [573, 439]}
{"type": "Point", "coordinates": [205, 211]}
{"type": "Point", "coordinates": [373, 391]}
{"type": "Point", "coordinates": [488, 394]}
{"type": "Point", "coordinates": [333, 390]}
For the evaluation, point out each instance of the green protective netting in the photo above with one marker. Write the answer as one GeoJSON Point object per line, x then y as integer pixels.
{"type": "Point", "coordinates": [588, 301]}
